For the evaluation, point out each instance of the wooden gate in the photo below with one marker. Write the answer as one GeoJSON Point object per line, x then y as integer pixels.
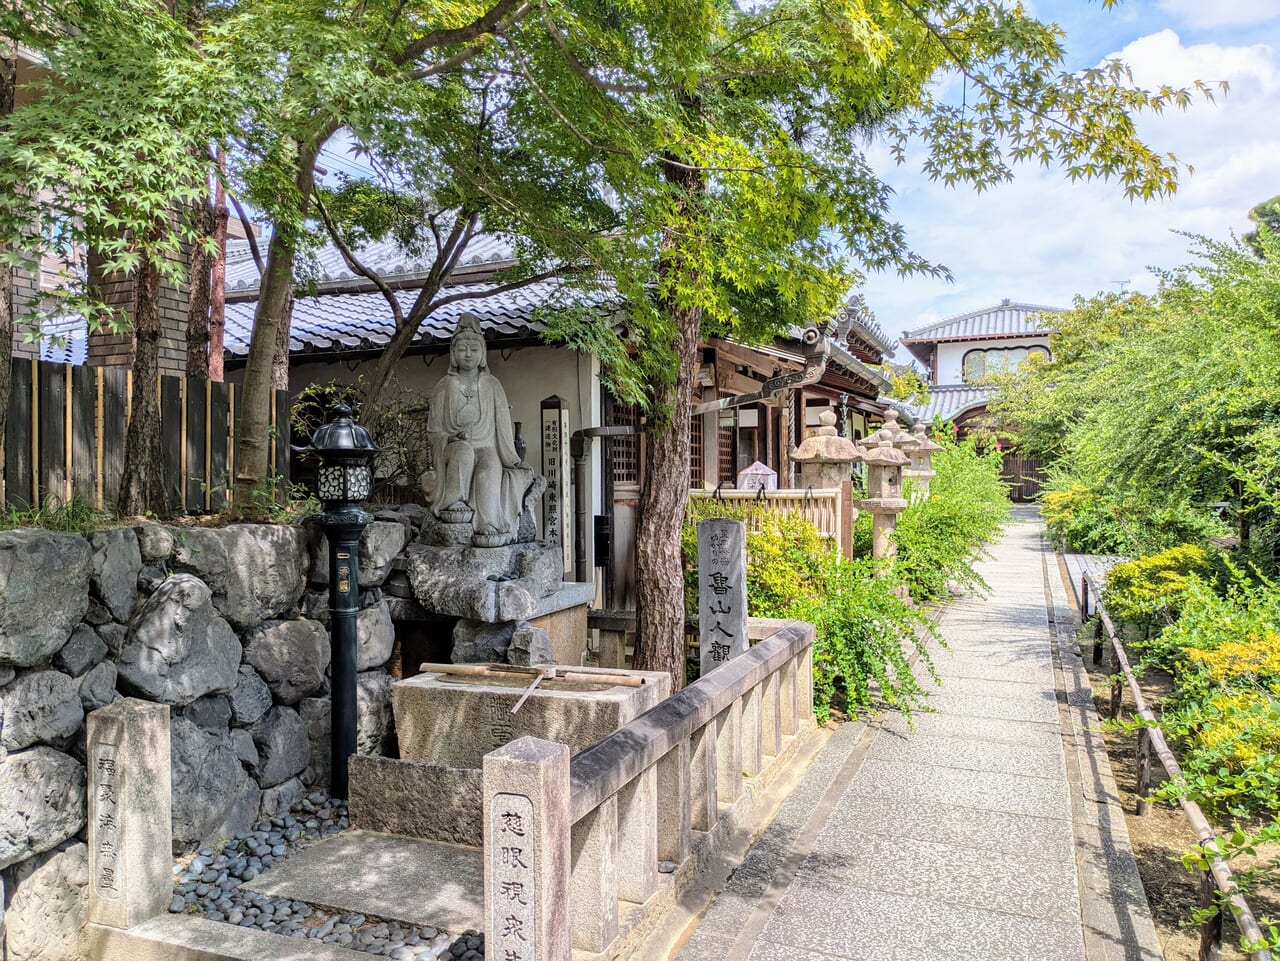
{"type": "Point", "coordinates": [1024, 475]}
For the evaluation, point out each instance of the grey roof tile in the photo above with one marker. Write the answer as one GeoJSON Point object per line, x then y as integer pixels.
{"type": "Point", "coordinates": [1005, 319]}
{"type": "Point", "coordinates": [364, 320]}
{"type": "Point", "coordinates": [947, 401]}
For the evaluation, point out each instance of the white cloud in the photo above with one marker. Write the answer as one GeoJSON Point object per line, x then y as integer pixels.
{"type": "Point", "coordinates": [1043, 239]}
{"type": "Point", "coordinates": [1212, 14]}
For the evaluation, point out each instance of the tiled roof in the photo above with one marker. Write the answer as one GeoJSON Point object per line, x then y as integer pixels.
{"type": "Point", "coordinates": [1006, 319]}
{"type": "Point", "coordinates": [947, 401]}
{"type": "Point", "coordinates": [386, 257]}
{"type": "Point", "coordinates": [855, 313]}
{"type": "Point", "coordinates": [362, 321]}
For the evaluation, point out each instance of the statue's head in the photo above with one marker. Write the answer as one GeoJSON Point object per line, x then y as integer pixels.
{"type": "Point", "coordinates": [466, 347]}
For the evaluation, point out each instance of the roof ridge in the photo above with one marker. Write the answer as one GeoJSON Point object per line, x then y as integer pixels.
{"type": "Point", "coordinates": [1004, 304]}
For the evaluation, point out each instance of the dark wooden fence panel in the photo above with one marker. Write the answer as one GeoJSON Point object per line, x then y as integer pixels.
{"type": "Point", "coordinates": [66, 429]}
{"type": "Point", "coordinates": [18, 443]}
{"type": "Point", "coordinates": [84, 433]}
{"type": "Point", "coordinates": [219, 463]}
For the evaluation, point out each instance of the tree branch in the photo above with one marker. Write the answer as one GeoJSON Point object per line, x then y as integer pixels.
{"type": "Point", "coordinates": [581, 69]}
{"type": "Point", "coordinates": [490, 22]}
{"type": "Point", "coordinates": [354, 263]}
{"type": "Point", "coordinates": [561, 271]}
{"type": "Point", "coordinates": [248, 230]}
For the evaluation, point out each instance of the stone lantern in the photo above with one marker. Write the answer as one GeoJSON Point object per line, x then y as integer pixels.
{"type": "Point", "coordinates": [921, 470]}
{"type": "Point", "coordinates": [884, 497]}
{"type": "Point", "coordinates": [826, 458]}
{"type": "Point", "coordinates": [892, 431]}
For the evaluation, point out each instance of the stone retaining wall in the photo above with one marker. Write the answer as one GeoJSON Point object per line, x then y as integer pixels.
{"type": "Point", "coordinates": [217, 624]}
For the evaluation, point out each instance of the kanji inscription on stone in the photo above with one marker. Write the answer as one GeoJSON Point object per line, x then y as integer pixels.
{"type": "Point", "coordinates": [512, 862]}
{"type": "Point", "coordinates": [104, 856]}
{"type": "Point", "coordinates": [722, 591]}
{"type": "Point", "coordinates": [555, 468]}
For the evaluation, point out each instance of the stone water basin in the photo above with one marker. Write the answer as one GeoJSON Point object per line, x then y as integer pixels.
{"type": "Point", "coordinates": [455, 720]}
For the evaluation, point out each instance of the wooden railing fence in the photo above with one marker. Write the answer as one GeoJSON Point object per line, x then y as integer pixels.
{"type": "Point", "coordinates": [1218, 877]}
{"type": "Point", "coordinates": [65, 437]}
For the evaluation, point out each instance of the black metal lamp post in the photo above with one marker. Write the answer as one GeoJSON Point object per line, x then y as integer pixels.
{"type": "Point", "coordinates": [343, 482]}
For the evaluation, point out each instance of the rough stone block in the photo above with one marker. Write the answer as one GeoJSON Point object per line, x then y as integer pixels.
{"type": "Point", "coordinates": [82, 651]}
{"type": "Point", "coordinates": [213, 796]}
{"type": "Point", "coordinates": [291, 656]}
{"type": "Point", "coordinates": [39, 707]}
{"type": "Point", "coordinates": [33, 818]}
{"type": "Point", "coordinates": [416, 800]}
{"type": "Point", "coordinates": [115, 564]}
{"type": "Point", "coordinates": [49, 907]}
{"type": "Point", "coordinates": [44, 583]}
{"type": "Point", "coordinates": [281, 739]}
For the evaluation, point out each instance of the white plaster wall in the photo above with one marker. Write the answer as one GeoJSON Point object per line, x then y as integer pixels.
{"type": "Point", "coordinates": [951, 355]}
{"type": "Point", "coordinates": [528, 375]}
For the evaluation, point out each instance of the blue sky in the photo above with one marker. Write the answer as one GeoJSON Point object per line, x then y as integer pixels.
{"type": "Point", "coordinates": [1043, 240]}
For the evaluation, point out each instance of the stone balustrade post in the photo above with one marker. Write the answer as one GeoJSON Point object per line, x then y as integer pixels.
{"type": "Point", "coordinates": [527, 854]}
{"type": "Point", "coordinates": [804, 678]}
{"type": "Point", "coordinates": [704, 776]}
{"type": "Point", "coordinates": [130, 800]}
{"type": "Point", "coordinates": [675, 803]}
{"type": "Point", "coordinates": [789, 708]}
{"type": "Point", "coordinates": [752, 761]}
{"type": "Point", "coordinates": [593, 879]}
{"type": "Point", "coordinates": [729, 753]}
{"type": "Point", "coordinates": [771, 716]}
{"type": "Point", "coordinates": [638, 838]}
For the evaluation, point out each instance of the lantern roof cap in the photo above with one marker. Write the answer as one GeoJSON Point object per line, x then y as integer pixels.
{"type": "Point", "coordinates": [885, 454]}
{"type": "Point", "coordinates": [340, 438]}
{"type": "Point", "coordinates": [923, 441]}
{"type": "Point", "coordinates": [826, 446]}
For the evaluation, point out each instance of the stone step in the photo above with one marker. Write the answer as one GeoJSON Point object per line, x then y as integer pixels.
{"type": "Point", "coordinates": [180, 937]}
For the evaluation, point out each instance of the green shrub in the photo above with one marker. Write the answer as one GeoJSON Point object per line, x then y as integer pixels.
{"type": "Point", "coordinates": [1149, 586]}
{"type": "Point", "coordinates": [941, 537]}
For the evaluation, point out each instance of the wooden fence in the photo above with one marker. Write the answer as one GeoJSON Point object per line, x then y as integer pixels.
{"type": "Point", "coordinates": [65, 437]}
{"type": "Point", "coordinates": [1217, 887]}
{"type": "Point", "coordinates": [830, 510]}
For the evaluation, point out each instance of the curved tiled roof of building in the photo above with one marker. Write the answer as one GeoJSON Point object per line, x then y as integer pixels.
{"type": "Point", "coordinates": [363, 321]}
{"type": "Point", "coordinates": [947, 401]}
{"type": "Point", "coordinates": [385, 257]}
{"type": "Point", "coordinates": [1005, 319]}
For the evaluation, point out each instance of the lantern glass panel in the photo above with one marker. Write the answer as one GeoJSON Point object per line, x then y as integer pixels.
{"type": "Point", "coordinates": [329, 482]}
{"type": "Point", "coordinates": [359, 482]}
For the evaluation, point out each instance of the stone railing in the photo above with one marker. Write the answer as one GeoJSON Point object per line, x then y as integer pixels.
{"type": "Point", "coordinates": [569, 844]}
{"type": "Point", "coordinates": [830, 510]}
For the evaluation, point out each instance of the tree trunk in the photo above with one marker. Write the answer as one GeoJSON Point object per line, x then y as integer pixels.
{"type": "Point", "coordinates": [218, 277]}
{"type": "Point", "coordinates": [376, 384]}
{"type": "Point", "coordinates": [142, 485]}
{"type": "Point", "coordinates": [659, 583]}
{"type": "Point", "coordinates": [253, 440]}
{"type": "Point", "coordinates": [280, 359]}
{"type": "Point", "coordinates": [8, 83]}
{"type": "Point", "coordinates": [201, 291]}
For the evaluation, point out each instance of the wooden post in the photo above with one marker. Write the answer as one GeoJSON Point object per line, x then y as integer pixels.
{"type": "Point", "coordinates": [1084, 596]}
{"type": "Point", "coordinates": [1144, 771]}
{"type": "Point", "coordinates": [1117, 696]}
{"type": "Point", "coordinates": [1097, 642]}
{"type": "Point", "coordinates": [1211, 930]}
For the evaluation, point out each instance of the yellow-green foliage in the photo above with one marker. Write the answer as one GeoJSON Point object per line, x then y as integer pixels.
{"type": "Point", "coordinates": [1152, 585]}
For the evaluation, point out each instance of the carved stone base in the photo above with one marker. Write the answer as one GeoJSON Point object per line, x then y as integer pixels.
{"type": "Point", "coordinates": [439, 532]}
{"type": "Point", "coordinates": [507, 642]}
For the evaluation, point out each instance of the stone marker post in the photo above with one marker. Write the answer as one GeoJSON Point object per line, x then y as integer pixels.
{"type": "Point", "coordinates": [555, 468]}
{"type": "Point", "coordinates": [527, 852]}
{"type": "Point", "coordinates": [130, 799]}
{"type": "Point", "coordinates": [722, 591]}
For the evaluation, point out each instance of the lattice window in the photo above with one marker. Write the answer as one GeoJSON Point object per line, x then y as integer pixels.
{"type": "Point", "coordinates": [624, 452]}
{"type": "Point", "coordinates": [697, 473]}
{"type": "Point", "coordinates": [724, 445]}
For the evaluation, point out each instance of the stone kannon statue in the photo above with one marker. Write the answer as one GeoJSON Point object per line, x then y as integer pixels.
{"type": "Point", "coordinates": [480, 480]}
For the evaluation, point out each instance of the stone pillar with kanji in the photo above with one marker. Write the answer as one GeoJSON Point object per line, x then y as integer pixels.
{"type": "Point", "coordinates": [722, 591]}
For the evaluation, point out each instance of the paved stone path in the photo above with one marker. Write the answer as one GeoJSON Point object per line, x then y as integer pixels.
{"type": "Point", "coordinates": [990, 832]}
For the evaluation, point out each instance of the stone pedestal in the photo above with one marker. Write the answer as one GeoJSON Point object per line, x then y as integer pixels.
{"type": "Point", "coordinates": [130, 797]}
